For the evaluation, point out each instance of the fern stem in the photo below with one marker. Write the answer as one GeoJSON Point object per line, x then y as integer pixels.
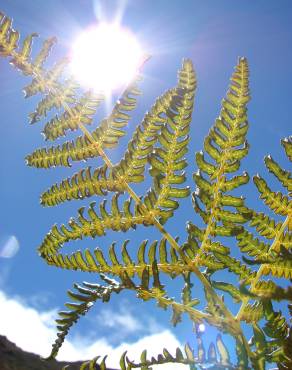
{"type": "Point", "coordinates": [260, 270]}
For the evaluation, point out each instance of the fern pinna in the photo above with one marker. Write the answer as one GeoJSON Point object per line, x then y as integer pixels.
{"type": "Point", "coordinates": [160, 143]}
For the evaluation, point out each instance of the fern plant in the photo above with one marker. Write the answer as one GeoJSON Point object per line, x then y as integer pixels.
{"type": "Point", "coordinates": [159, 144]}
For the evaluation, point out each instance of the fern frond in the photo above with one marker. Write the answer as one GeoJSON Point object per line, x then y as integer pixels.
{"type": "Point", "coordinates": [278, 268]}
{"type": "Point", "coordinates": [197, 234]}
{"type": "Point", "coordinates": [96, 261]}
{"type": "Point", "coordinates": [265, 225]}
{"type": "Point", "coordinates": [9, 43]}
{"type": "Point", "coordinates": [214, 310]}
{"type": "Point", "coordinates": [269, 290]}
{"type": "Point", "coordinates": [144, 364]}
{"type": "Point", "coordinates": [59, 155]}
{"type": "Point", "coordinates": [168, 159]}
{"type": "Point", "coordinates": [234, 182]}
{"type": "Point", "coordinates": [23, 55]}
{"type": "Point", "coordinates": [39, 61]}
{"type": "Point", "coordinates": [106, 135]}
{"type": "Point", "coordinates": [252, 246]}
{"type": "Point", "coordinates": [209, 261]}
{"type": "Point", "coordinates": [147, 290]}
{"type": "Point", "coordinates": [217, 310]}
{"type": "Point", "coordinates": [186, 294]}
{"type": "Point", "coordinates": [50, 79]}
{"type": "Point", "coordinates": [277, 202]}
{"type": "Point", "coordinates": [131, 168]}
{"type": "Point", "coordinates": [112, 128]}
{"type": "Point", "coordinates": [242, 357]}
{"type": "Point", "coordinates": [186, 357]}
{"type": "Point", "coordinates": [259, 340]}
{"type": "Point", "coordinates": [225, 146]}
{"type": "Point", "coordinates": [117, 220]}
{"type": "Point", "coordinates": [223, 352]}
{"type": "Point", "coordinates": [228, 288]}
{"type": "Point", "coordinates": [81, 113]}
{"type": "Point", "coordinates": [235, 266]}
{"type": "Point", "coordinates": [164, 358]}
{"type": "Point", "coordinates": [208, 258]}
{"type": "Point", "coordinates": [90, 365]}
{"type": "Point", "coordinates": [83, 184]}
{"type": "Point", "coordinates": [276, 326]}
{"type": "Point", "coordinates": [275, 258]}
{"type": "Point", "coordinates": [8, 37]}
{"type": "Point", "coordinates": [43, 81]}
{"type": "Point", "coordinates": [161, 141]}
{"type": "Point", "coordinates": [177, 105]}
{"type": "Point", "coordinates": [65, 95]}
{"type": "Point", "coordinates": [84, 298]}
{"type": "Point", "coordinates": [285, 240]}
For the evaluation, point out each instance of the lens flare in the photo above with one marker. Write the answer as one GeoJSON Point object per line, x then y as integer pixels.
{"type": "Point", "coordinates": [105, 57]}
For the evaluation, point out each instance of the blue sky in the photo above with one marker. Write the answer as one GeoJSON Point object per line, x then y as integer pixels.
{"type": "Point", "coordinates": [213, 34]}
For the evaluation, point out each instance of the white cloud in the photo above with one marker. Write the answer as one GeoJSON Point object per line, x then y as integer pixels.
{"type": "Point", "coordinates": [34, 331]}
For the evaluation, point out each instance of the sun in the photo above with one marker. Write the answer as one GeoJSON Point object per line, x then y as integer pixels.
{"type": "Point", "coordinates": [105, 57]}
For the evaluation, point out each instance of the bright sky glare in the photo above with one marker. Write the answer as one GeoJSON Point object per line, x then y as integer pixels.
{"type": "Point", "coordinates": [105, 57]}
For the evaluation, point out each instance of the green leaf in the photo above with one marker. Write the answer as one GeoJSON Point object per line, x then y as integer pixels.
{"type": "Point", "coordinates": [278, 202]}
{"type": "Point", "coordinates": [282, 175]}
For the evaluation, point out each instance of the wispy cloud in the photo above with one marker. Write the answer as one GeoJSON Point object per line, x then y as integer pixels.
{"type": "Point", "coordinates": [4, 274]}
{"type": "Point", "coordinates": [122, 319]}
{"type": "Point", "coordinates": [34, 331]}
{"type": "Point", "coordinates": [127, 323]}
{"type": "Point", "coordinates": [9, 246]}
